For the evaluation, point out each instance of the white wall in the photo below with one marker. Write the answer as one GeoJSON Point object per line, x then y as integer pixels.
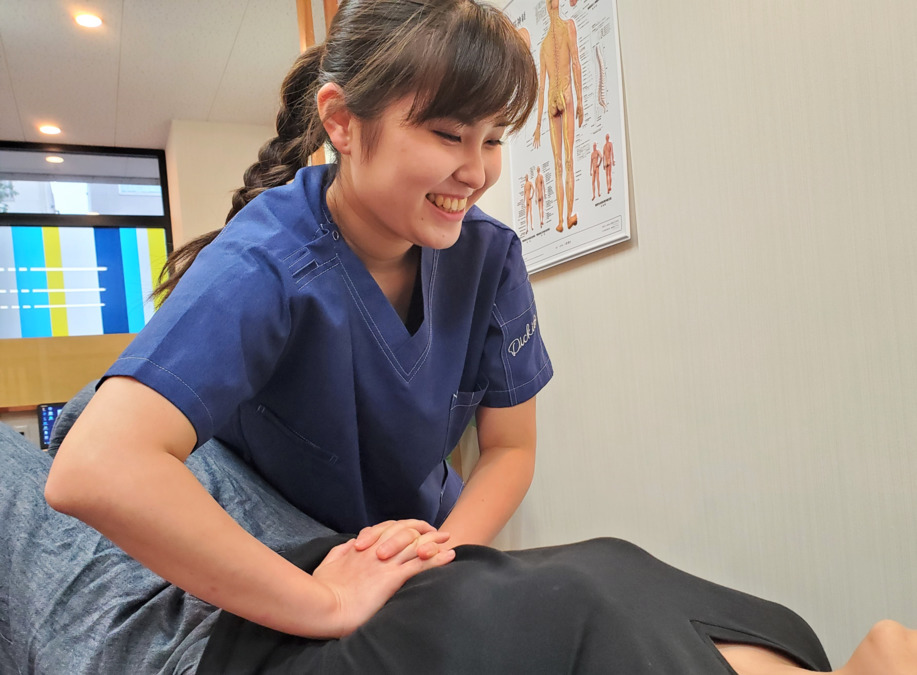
{"type": "Point", "coordinates": [736, 388]}
{"type": "Point", "coordinates": [205, 162]}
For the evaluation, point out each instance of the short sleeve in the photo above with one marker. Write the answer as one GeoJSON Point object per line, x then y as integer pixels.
{"type": "Point", "coordinates": [217, 338]}
{"type": "Point", "coordinates": [515, 362]}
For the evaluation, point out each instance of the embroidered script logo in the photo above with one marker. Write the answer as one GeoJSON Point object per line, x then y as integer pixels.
{"type": "Point", "coordinates": [518, 343]}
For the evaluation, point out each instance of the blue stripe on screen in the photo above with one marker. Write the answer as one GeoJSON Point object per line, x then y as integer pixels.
{"type": "Point", "coordinates": [108, 255]}
{"type": "Point", "coordinates": [28, 252]}
{"type": "Point", "coordinates": [133, 289]}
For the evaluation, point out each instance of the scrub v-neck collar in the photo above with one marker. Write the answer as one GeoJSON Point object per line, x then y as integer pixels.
{"type": "Point", "coordinates": [404, 350]}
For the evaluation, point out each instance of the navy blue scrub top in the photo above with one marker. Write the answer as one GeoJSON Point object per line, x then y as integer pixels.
{"type": "Point", "coordinates": [278, 342]}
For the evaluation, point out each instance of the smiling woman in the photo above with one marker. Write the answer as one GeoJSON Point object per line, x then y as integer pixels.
{"type": "Point", "coordinates": [321, 356]}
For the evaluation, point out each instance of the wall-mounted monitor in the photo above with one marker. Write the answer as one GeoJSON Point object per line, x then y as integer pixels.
{"type": "Point", "coordinates": [84, 233]}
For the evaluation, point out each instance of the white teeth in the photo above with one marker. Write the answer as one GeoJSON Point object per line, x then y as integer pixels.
{"type": "Point", "coordinates": [448, 203]}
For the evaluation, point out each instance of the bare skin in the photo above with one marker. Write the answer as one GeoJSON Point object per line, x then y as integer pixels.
{"type": "Point", "coordinates": [595, 163]}
{"type": "Point", "coordinates": [888, 649]}
{"type": "Point", "coordinates": [559, 57]}
{"type": "Point", "coordinates": [608, 156]}
{"type": "Point", "coordinates": [527, 190]}
{"type": "Point", "coordinates": [539, 195]}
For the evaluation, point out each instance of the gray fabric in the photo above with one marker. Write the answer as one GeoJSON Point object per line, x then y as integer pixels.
{"type": "Point", "coordinates": [68, 416]}
{"type": "Point", "coordinates": [71, 602]}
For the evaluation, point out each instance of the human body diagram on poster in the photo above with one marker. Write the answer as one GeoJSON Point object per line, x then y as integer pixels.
{"type": "Point", "coordinates": [572, 190]}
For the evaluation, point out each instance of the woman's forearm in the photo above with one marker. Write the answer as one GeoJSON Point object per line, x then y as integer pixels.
{"type": "Point", "coordinates": [121, 470]}
{"type": "Point", "coordinates": [492, 494]}
{"type": "Point", "coordinates": [148, 503]}
{"type": "Point", "coordinates": [501, 477]}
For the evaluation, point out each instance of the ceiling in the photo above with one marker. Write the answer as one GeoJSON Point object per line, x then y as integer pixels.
{"type": "Point", "coordinates": [150, 62]}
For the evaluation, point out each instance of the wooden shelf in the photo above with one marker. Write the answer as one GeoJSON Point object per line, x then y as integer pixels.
{"type": "Point", "coordinates": [46, 370]}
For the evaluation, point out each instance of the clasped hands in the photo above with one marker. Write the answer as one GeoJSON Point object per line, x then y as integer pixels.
{"type": "Point", "coordinates": [394, 537]}
{"type": "Point", "coordinates": [363, 573]}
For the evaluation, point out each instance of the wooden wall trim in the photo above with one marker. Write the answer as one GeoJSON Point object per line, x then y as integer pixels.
{"type": "Point", "coordinates": [306, 27]}
{"type": "Point", "coordinates": [307, 39]}
{"type": "Point", "coordinates": [49, 370]}
{"type": "Point", "coordinates": [330, 8]}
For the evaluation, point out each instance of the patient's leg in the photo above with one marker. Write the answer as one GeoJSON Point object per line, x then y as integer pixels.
{"type": "Point", "coordinates": [888, 649]}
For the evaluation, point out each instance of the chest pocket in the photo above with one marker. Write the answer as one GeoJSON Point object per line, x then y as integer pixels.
{"type": "Point", "coordinates": [464, 404]}
{"type": "Point", "coordinates": [276, 431]}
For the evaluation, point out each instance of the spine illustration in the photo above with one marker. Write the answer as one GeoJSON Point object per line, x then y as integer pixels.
{"type": "Point", "coordinates": [600, 90]}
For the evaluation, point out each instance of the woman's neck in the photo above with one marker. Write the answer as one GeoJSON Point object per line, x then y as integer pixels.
{"type": "Point", "coordinates": [379, 250]}
{"type": "Point", "coordinates": [392, 262]}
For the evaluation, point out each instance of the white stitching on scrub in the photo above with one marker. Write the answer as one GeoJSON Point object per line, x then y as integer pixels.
{"type": "Point", "coordinates": [166, 370]}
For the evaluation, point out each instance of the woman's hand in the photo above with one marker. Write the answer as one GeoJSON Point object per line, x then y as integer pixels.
{"type": "Point", "coordinates": [362, 580]}
{"type": "Point", "coordinates": [393, 536]}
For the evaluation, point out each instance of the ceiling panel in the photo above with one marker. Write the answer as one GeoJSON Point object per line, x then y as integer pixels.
{"type": "Point", "coordinates": [10, 128]}
{"type": "Point", "coordinates": [265, 48]}
{"type": "Point", "coordinates": [152, 61]}
{"type": "Point", "coordinates": [40, 40]}
{"type": "Point", "coordinates": [188, 64]}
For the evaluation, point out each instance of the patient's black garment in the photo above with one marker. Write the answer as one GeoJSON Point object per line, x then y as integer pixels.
{"type": "Point", "coordinates": [600, 606]}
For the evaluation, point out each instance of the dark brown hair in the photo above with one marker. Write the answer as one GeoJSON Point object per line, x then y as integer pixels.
{"type": "Point", "coordinates": [460, 59]}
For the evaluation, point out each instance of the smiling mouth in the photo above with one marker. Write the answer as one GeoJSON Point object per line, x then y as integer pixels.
{"type": "Point", "coordinates": [449, 204]}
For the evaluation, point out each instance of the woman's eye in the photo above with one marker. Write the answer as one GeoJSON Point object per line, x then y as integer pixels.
{"type": "Point", "coordinates": [495, 141]}
{"type": "Point", "coordinates": [449, 137]}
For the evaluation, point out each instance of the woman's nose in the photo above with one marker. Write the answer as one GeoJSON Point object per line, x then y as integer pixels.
{"type": "Point", "coordinates": [472, 172]}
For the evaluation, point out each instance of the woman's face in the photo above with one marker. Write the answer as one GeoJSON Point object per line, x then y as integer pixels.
{"type": "Point", "coordinates": [418, 181]}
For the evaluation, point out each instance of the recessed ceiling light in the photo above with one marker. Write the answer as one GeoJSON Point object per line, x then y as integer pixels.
{"type": "Point", "coordinates": [49, 129]}
{"type": "Point", "coordinates": [88, 20]}
{"type": "Point", "coordinates": [54, 159]}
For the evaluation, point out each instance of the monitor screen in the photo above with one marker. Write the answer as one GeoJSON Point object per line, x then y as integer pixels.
{"type": "Point", "coordinates": [63, 281]}
{"type": "Point", "coordinates": [47, 416]}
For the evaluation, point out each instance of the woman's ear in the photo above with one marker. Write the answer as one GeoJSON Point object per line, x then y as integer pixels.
{"type": "Point", "coordinates": [339, 122]}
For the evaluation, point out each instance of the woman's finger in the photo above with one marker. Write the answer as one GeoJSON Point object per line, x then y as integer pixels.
{"type": "Point", "coordinates": [370, 535]}
{"type": "Point", "coordinates": [430, 549]}
{"type": "Point", "coordinates": [430, 544]}
{"type": "Point", "coordinates": [398, 541]}
{"type": "Point", "coordinates": [424, 547]}
{"type": "Point", "coordinates": [401, 534]}
{"type": "Point", "coordinates": [417, 565]}
{"type": "Point", "coordinates": [339, 551]}
{"type": "Point", "coordinates": [380, 532]}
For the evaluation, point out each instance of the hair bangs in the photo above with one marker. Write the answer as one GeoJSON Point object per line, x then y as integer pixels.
{"type": "Point", "coordinates": [482, 70]}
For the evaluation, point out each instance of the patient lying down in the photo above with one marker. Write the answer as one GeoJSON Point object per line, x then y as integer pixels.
{"type": "Point", "coordinates": [78, 604]}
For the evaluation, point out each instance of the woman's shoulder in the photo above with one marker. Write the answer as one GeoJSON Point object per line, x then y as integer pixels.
{"type": "Point", "coordinates": [487, 250]}
{"type": "Point", "coordinates": [279, 224]}
{"type": "Point", "coordinates": [479, 225]}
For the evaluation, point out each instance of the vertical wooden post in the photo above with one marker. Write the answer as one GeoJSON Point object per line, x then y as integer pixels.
{"type": "Point", "coordinates": [306, 28]}
{"type": "Point", "coordinates": [307, 39]}
{"type": "Point", "coordinates": [331, 8]}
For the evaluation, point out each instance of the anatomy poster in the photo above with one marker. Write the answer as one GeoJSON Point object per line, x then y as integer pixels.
{"type": "Point", "coordinates": [568, 164]}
